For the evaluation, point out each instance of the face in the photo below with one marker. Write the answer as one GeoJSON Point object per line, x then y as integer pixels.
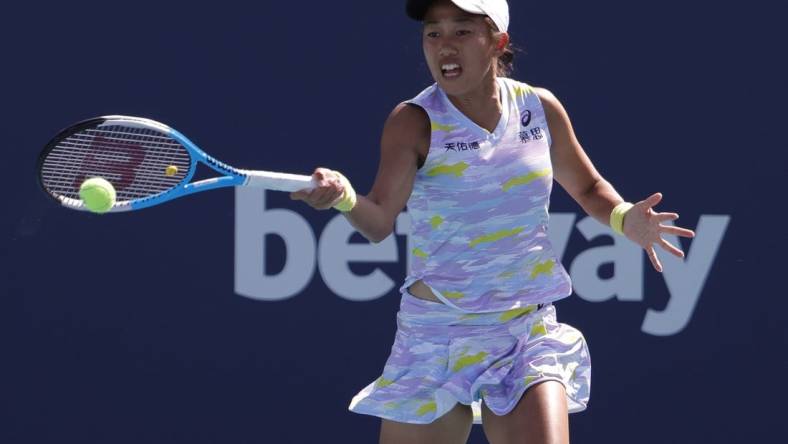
{"type": "Point", "coordinates": [459, 48]}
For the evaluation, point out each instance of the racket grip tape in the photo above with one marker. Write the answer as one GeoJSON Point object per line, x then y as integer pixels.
{"type": "Point", "coordinates": [278, 181]}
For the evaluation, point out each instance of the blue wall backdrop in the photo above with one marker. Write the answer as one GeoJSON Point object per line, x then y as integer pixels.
{"type": "Point", "coordinates": [201, 322]}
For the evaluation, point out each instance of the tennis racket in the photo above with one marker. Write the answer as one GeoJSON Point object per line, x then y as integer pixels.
{"type": "Point", "coordinates": [147, 163]}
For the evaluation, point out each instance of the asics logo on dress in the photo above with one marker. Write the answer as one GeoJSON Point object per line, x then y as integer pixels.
{"type": "Point", "coordinates": [525, 118]}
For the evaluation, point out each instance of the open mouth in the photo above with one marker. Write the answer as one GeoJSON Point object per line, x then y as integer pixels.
{"type": "Point", "coordinates": [451, 70]}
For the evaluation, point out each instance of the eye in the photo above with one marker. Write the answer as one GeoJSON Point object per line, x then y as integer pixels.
{"type": "Point", "coordinates": [462, 32]}
{"type": "Point", "coordinates": [431, 34]}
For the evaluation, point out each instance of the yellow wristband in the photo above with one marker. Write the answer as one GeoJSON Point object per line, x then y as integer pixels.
{"type": "Point", "coordinates": [617, 217]}
{"type": "Point", "coordinates": [349, 199]}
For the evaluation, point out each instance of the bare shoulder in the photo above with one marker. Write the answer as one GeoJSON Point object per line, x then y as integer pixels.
{"type": "Point", "coordinates": [549, 101]}
{"type": "Point", "coordinates": [405, 141]}
{"type": "Point", "coordinates": [408, 120]}
{"type": "Point", "coordinates": [557, 117]}
{"type": "Point", "coordinates": [407, 127]}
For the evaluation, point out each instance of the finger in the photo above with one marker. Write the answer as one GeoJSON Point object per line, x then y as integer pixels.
{"type": "Point", "coordinates": [670, 248]}
{"type": "Point", "coordinates": [320, 174]}
{"type": "Point", "coordinates": [331, 180]}
{"type": "Point", "coordinates": [652, 255]}
{"type": "Point", "coordinates": [652, 200]}
{"type": "Point", "coordinates": [664, 217]}
{"type": "Point", "coordinates": [337, 199]}
{"type": "Point", "coordinates": [327, 201]}
{"type": "Point", "coordinates": [683, 232]}
{"type": "Point", "coordinates": [307, 196]}
{"type": "Point", "coordinates": [328, 196]}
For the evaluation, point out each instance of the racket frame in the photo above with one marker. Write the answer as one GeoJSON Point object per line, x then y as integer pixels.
{"type": "Point", "coordinates": [230, 176]}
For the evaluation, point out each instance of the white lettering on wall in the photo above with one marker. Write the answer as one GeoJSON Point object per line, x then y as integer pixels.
{"type": "Point", "coordinates": [685, 278]}
{"type": "Point", "coordinates": [252, 223]}
{"type": "Point", "coordinates": [332, 253]}
{"type": "Point", "coordinates": [335, 252]}
{"type": "Point", "coordinates": [626, 256]}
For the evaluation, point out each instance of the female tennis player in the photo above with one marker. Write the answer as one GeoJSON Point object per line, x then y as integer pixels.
{"type": "Point", "coordinates": [474, 157]}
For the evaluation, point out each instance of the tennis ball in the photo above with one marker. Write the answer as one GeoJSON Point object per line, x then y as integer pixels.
{"type": "Point", "coordinates": [97, 194]}
{"type": "Point", "coordinates": [171, 170]}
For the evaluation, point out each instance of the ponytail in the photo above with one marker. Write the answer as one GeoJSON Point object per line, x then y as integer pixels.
{"type": "Point", "coordinates": [505, 63]}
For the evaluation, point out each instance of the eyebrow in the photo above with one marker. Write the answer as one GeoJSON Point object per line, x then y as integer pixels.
{"type": "Point", "coordinates": [462, 19]}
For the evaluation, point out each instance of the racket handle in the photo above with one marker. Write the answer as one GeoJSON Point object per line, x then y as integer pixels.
{"type": "Point", "coordinates": [277, 181]}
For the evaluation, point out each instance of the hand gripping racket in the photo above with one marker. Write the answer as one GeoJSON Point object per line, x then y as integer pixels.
{"type": "Point", "coordinates": [147, 162]}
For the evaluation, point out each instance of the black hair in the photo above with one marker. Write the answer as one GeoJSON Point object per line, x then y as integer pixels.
{"type": "Point", "coordinates": [505, 63]}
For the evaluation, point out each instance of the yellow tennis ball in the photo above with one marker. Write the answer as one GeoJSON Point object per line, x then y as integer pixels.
{"type": "Point", "coordinates": [171, 170]}
{"type": "Point", "coordinates": [97, 194]}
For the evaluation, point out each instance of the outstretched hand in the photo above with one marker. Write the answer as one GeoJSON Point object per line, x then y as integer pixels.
{"type": "Point", "coordinates": [643, 226]}
{"type": "Point", "coordinates": [326, 194]}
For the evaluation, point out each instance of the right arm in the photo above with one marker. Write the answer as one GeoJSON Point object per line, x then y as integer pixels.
{"type": "Point", "coordinates": [405, 139]}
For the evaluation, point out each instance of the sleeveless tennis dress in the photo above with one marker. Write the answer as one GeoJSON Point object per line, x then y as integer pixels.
{"type": "Point", "coordinates": [479, 210]}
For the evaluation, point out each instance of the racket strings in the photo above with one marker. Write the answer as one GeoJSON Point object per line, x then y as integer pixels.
{"type": "Point", "coordinates": [65, 177]}
{"type": "Point", "coordinates": [134, 159]}
{"type": "Point", "coordinates": [113, 158]}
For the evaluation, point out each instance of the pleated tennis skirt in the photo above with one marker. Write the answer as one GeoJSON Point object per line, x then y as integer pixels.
{"type": "Point", "coordinates": [442, 356]}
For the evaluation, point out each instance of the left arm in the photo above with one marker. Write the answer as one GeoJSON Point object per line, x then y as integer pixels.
{"type": "Point", "coordinates": [573, 170]}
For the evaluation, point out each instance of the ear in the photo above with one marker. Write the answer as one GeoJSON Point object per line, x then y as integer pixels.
{"type": "Point", "coordinates": [503, 40]}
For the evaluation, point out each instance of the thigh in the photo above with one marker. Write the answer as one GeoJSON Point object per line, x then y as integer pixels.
{"type": "Point", "coordinates": [452, 428]}
{"type": "Point", "coordinates": [541, 417]}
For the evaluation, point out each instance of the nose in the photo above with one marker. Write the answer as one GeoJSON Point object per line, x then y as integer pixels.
{"type": "Point", "coordinates": [447, 50]}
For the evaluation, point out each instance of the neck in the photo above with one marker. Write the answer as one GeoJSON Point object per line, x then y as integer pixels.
{"type": "Point", "coordinates": [483, 105]}
{"type": "Point", "coordinates": [486, 97]}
